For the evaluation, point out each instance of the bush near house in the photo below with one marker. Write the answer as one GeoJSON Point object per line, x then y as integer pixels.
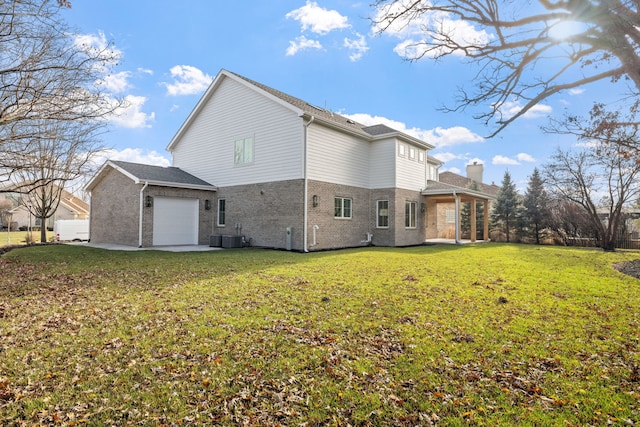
{"type": "Point", "coordinates": [488, 334]}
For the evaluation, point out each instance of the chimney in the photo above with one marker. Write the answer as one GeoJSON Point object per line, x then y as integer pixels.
{"type": "Point", "coordinates": [474, 172]}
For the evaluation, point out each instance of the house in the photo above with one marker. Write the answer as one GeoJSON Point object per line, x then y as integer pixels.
{"type": "Point", "coordinates": [70, 207]}
{"type": "Point", "coordinates": [253, 161]}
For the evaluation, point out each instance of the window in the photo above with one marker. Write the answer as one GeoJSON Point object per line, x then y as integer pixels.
{"type": "Point", "coordinates": [382, 214]}
{"type": "Point", "coordinates": [433, 173]}
{"type": "Point", "coordinates": [342, 207]}
{"type": "Point", "coordinates": [222, 212]}
{"type": "Point", "coordinates": [401, 150]}
{"type": "Point", "coordinates": [412, 153]}
{"type": "Point", "coordinates": [410, 214]}
{"type": "Point", "coordinates": [421, 156]}
{"type": "Point", "coordinates": [243, 151]}
{"type": "Point", "coordinates": [450, 216]}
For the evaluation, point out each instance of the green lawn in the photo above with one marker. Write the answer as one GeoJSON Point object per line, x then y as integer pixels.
{"type": "Point", "coordinates": [486, 335]}
{"type": "Point", "coordinates": [20, 237]}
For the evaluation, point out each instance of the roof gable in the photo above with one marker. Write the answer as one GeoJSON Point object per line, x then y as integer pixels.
{"type": "Point", "coordinates": [299, 106]}
{"type": "Point", "coordinates": [153, 175]}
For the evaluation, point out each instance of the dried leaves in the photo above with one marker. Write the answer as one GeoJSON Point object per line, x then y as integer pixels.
{"type": "Point", "coordinates": [331, 340]}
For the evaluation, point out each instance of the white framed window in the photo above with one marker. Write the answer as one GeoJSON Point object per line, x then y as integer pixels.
{"type": "Point", "coordinates": [412, 153]}
{"type": "Point", "coordinates": [421, 156]}
{"type": "Point", "coordinates": [410, 214]}
{"type": "Point", "coordinates": [433, 173]}
{"type": "Point", "coordinates": [222, 213]}
{"type": "Point", "coordinates": [382, 214]}
{"type": "Point", "coordinates": [342, 207]}
{"type": "Point", "coordinates": [402, 150]}
{"type": "Point", "coordinates": [450, 216]}
{"type": "Point", "coordinates": [243, 151]}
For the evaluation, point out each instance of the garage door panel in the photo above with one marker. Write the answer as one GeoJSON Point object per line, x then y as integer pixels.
{"type": "Point", "coordinates": [175, 221]}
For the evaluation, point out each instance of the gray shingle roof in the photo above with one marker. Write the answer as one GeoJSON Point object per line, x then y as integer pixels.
{"type": "Point", "coordinates": [169, 175]}
{"type": "Point", "coordinates": [464, 182]}
{"type": "Point", "coordinates": [305, 106]}
{"type": "Point", "coordinates": [376, 130]}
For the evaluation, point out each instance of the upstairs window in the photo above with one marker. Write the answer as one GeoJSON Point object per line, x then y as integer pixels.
{"type": "Point", "coordinates": [342, 208]}
{"type": "Point", "coordinates": [243, 151]}
{"type": "Point", "coordinates": [421, 156]}
{"type": "Point", "coordinates": [402, 150]}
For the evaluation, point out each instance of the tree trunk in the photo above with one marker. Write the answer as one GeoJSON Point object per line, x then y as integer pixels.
{"type": "Point", "coordinates": [43, 230]}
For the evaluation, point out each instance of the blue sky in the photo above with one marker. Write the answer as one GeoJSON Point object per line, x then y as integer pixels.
{"type": "Point", "coordinates": [324, 52]}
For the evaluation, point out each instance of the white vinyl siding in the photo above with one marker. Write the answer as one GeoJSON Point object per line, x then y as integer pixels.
{"type": "Point", "coordinates": [382, 164]}
{"type": "Point", "coordinates": [411, 174]}
{"type": "Point", "coordinates": [236, 112]}
{"type": "Point", "coordinates": [175, 221]}
{"type": "Point", "coordinates": [337, 157]}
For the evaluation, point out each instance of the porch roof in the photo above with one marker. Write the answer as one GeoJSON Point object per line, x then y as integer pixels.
{"type": "Point", "coordinates": [436, 188]}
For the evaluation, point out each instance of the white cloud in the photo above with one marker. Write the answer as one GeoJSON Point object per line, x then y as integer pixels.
{"type": "Point", "coordinates": [302, 43]}
{"type": "Point", "coordinates": [116, 83]}
{"type": "Point", "coordinates": [358, 47]}
{"type": "Point", "coordinates": [135, 155]}
{"type": "Point", "coordinates": [130, 114]}
{"type": "Point", "coordinates": [576, 91]}
{"type": "Point", "coordinates": [524, 157]}
{"type": "Point", "coordinates": [439, 137]}
{"type": "Point", "coordinates": [511, 108]}
{"type": "Point", "coordinates": [317, 19]}
{"type": "Point", "coordinates": [98, 46]}
{"type": "Point", "coordinates": [411, 29]}
{"type": "Point", "coordinates": [188, 80]}
{"type": "Point", "coordinates": [446, 156]}
{"type": "Point", "coordinates": [503, 160]}
{"type": "Point", "coordinates": [444, 137]}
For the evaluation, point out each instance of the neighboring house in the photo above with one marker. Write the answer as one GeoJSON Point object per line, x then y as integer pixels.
{"type": "Point", "coordinates": [70, 207]}
{"type": "Point", "coordinates": [279, 171]}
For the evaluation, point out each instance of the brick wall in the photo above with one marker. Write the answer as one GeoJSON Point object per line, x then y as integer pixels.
{"type": "Point", "coordinates": [115, 210]}
{"type": "Point", "coordinates": [264, 211]}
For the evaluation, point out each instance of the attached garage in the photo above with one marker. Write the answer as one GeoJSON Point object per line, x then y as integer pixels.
{"type": "Point", "coordinates": [175, 221]}
{"type": "Point", "coordinates": [144, 205]}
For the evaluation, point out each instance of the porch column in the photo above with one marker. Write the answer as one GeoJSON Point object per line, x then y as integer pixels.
{"type": "Point", "coordinates": [473, 220]}
{"type": "Point", "coordinates": [457, 198]}
{"type": "Point", "coordinates": [485, 233]}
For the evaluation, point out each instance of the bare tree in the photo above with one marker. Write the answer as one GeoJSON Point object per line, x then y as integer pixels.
{"type": "Point", "coordinates": [520, 48]}
{"type": "Point", "coordinates": [598, 179]}
{"type": "Point", "coordinates": [46, 75]}
{"type": "Point", "coordinates": [61, 153]}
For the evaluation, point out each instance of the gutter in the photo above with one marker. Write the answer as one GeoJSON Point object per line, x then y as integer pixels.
{"type": "Point", "coordinates": [305, 216]}
{"type": "Point", "coordinates": [457, 198]}
{"type": "Point", "coordinates": [146, 184]}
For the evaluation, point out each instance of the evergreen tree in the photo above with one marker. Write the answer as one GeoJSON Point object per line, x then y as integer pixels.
{"type": "Point", "coordinates": [536, 205]}
{"type": "Point", "coordinates": [505, 209]}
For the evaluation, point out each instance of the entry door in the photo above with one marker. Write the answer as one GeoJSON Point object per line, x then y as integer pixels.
{"type": "Point", "coordinates": [175, 221]}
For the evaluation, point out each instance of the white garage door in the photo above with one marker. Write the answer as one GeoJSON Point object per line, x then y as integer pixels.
{"type": "Point", "coordinates": [175, 221]}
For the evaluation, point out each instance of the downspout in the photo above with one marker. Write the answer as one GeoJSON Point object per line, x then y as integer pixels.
{"type": "Point", "coordinates": [455, 195]}
{"type": "Point", "coordinates": [146, 184]}
{"type": "Point", "coordinates": [305, 227]}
